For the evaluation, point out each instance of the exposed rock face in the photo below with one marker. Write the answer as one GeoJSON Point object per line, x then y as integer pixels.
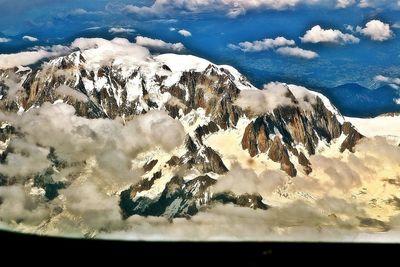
{"type": "Point", "coordinates": [296, 126]}
{"type": "Point", "coordinates": [305, 162]}
{"type": "Point", "coordinates": [201, 131]}
{"type": "Point", "coordinates": [279, 132]}
{"type": "Point", "coordinates": [279, 153]}
{"type": "Point", "coordinates": [249, 140]}
{"type": "Point", "coordinates": [174, 160]}
{"type": "Point", "coordinates": [211, 91]}
{"type": "Point", "coordinates": [182, 199]}
{"type": "Point", "coordinates": [352, 137]}
{"type": "Point", "coordinates": [150, 165]}
{"type": "Point", "coordinates": [202, 157]}
{"type": "Point", "coordinates": [179, 199]}
{"type": "Point", "coordinates": [6, 131]}
{"type": "Point", "coordinates": [247, 200]}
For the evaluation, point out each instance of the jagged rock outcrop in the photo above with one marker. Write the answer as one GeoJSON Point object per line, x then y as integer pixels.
{"type": "Point", "coordinates": [280, 131]}
{"type": "Point", "coordinates": [182, 199]}
{"type": "Point", "coordinates": [253, 201]}
{"type": "Point", "coordinates": [352, 137]}
{"type": "Point", "coordinates": [202, 157]}
{"type": "Point", "coordinates": [150, 165]}
{"type": "Point", "coordinates": [305, 163]}
{"type": "Point", "coordinates": [178, 199]}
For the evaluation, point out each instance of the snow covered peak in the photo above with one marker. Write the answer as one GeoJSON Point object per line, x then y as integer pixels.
{"type": "Point", "coordinates": [181, 63]}
{"type": "Point", "coordinates": [127, 57]}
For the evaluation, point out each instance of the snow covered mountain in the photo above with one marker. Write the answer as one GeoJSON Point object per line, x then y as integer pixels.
{"type": "Point", "coordinates": [159, 134]}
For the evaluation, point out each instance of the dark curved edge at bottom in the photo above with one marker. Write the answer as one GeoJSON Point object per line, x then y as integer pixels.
{"type": "Point", "coordinates": [34, 248]}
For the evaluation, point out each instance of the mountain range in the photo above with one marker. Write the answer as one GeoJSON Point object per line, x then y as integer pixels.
{"type": "Point", "coordinates": [111, 133]}
{"type": "Point", "coordinates": [355, 100]}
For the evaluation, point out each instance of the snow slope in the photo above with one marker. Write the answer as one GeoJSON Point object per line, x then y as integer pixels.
{"type": "Point", "coordinates": [387, 126]}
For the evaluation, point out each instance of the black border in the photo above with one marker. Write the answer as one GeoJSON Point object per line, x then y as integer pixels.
{"type": "Point", "coordinates": [44, 248]}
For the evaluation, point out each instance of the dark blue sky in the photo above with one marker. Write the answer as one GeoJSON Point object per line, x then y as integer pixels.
{"type": "Point", "coordinates": [61, 21]}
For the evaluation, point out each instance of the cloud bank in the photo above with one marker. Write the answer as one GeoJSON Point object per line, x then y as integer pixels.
{"type": "Point", "coordinates": [262, 45]}
{"type": "Point", "coordinates": [159, 44]}
{"type": "Point", "coordinates": [280, 45]}
{"type": "Point", "coordinates": [273, 95]}
{"type": "Point", "coordinates": [108, 49]}
{"type": "Point", "coordinates": [297, 52]}
{"type": "Point", "coordinates": [319, 35]}
{"type": "Point", "coordinates": [116, 30]}
{"type": "Point", "coordinates": [345, 3]}
{"type": "Point", "coordinates": [30, 57]}
{"type": "Point", "coordinates": [235, 8]}
{"type": "Point", "coordinates": [4, 40]}
{"type": "Point", "coordinates": [376, 30]}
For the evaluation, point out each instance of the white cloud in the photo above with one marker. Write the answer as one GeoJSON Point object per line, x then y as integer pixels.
{"type": "Point", "coordinates": [30, 57]}
{"type": "Point", "coordinates": [296, 52]}
{"type": "Point", "coordinates": [30, 38]}
{"type": "Point", "coordinates": [376, 30]}
{"type": "Point", "coordinates": [389, 80]}
{"type": "Point", "coordinates": [64, 90]}
{"type": "Point", "coordinates": [319, 35]}
{"type": "Point", "coordinates": [344, 3]}
{"type": "Point", "coordinates": [21, 163]}
{"type": "Point", "coordinates": [92, 205]}
{"type": "Point", "coordinates": [396, 25]}
{"type": "Point", "coordinates": [265, 44]}
{"type": "Point", "coordinates": [245, 181]}
{"type": "Point", "coordinates": [93, 28]}
{"type": "Point", "coordinates": [235, 8]}
{"type": "Point", "coordinates": [232, 8]}
{"type": "Point", "coordinates": [105, 50]}
{"type": "Point", "coordinates": [273, 95]}
{"type": "Point", "coordinates": [379, 3]}
{"type": "Point", "coordinates": [99, 51]}
{"type": "Point", "coordinates": [115, 30]}
{"type": "Point", "coordinates": [185, 33]}
{"type": "Point", "coordinates": [76, 139]}
{"type": "Point", "coordinates": [78, 12]}
{"type": "Point", "coordinates": [18, 205]}
{"type": "Point", "coordinates": [172, 29]}
{"type": "Point", "coordinates": [349, 28]}
{"type": "Point", "coordinates": [159, 44]}
{"type": "Point", "coordinates": [4, 40]}
{"type": "Point", "coordinates": [82, 12]}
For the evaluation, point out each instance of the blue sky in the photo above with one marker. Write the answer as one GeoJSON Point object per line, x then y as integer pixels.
{"type": "Point", "coordinates": [218, 27]}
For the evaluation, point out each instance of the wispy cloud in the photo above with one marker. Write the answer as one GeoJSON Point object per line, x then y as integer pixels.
{"type": "Point", "coordinates": [185, 33]}
{"type": "Point", "coordinates": [116, 30]}
{"type": "Point", "coordinates": [159, 44]}
{"type": "Point", "coordinates": [30, 57]}
{"type": "Point", "coordinates": [30, 38]}
{"type": "Point", "coordinates": [297, 52]}
{"type": "Point", "coordinates": [262, 45]}
{"type": "Point", "coordinates": [4, 40]}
